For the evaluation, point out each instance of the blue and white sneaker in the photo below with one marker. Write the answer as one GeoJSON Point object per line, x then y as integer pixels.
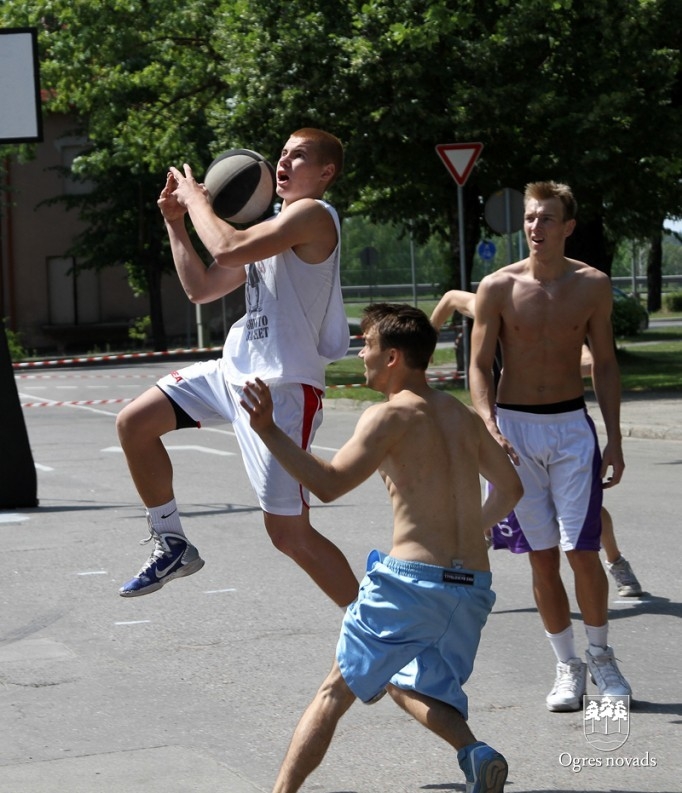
{"type": "Point", "coordinates": [484, 768]}
{"type": "Point", "coordinates": [173, 557]}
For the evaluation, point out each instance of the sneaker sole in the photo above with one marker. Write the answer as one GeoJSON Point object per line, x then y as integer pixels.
{"type": "Point", "coordinates": [185, 570]}
{"type": "Point", "coordinates": [492, 776]}
{"type": "Point", "coordinates": [568, 708]}
{"type": "Point", "coordinates": [613, 696]}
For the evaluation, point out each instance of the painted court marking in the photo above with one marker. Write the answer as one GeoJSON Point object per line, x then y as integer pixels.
{"type": "Point", "coordinates": [190, 448]}
{"type": "Point", "coordinates": [12, 517]}
{"type": "Point", "coordinates": [218, 591]}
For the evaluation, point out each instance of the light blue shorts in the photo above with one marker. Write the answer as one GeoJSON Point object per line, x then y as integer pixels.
{"type": "Point", "coordinates": [416, 626]}
{"type": "Point", "coordinates": [203, 393]}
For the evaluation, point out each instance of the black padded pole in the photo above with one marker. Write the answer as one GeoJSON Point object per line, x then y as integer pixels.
{"type": "Point", "coordinates": [18, 481]}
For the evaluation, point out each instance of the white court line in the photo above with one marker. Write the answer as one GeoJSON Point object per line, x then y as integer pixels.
{"type": "Point", "coordinates": [218, 591]}
{"type": "Point", "coordinates": [93, 572]}
{"type": "Point", "coordinates": [133, 622]}
{"type": "Point", "coordinates": [227, 432]}
{"type": "Point", "coordinates": [12, 517]}
{"type": "Point", "coordinates": [205, 449]}
{"type": "Point", "coordinates": [40, 467]}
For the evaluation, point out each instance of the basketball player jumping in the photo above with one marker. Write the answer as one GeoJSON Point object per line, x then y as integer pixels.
{"type": "Point", "coordinates": [295, 324]}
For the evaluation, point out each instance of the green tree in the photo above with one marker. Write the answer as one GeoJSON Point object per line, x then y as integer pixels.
{"type": "Point", "coordinates": [584, 93]}
{"type": "Point", "coordinates": [124, 72]}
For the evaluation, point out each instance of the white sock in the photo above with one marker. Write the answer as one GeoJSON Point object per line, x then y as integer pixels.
{"type": "Point", "coordinates": [597, 638]}
{"type": "Point", "coordinates": [165, 518]}
{"type": "Point", "coordinates": [562, 644]}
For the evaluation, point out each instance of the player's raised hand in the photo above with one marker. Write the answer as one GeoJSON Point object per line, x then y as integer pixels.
{"type": "Point", "coordinates": [186, 186]}
{"type": "Point", "coordinates": [257, 402]}
{"type": "Point", "coordinates": [168, 203]}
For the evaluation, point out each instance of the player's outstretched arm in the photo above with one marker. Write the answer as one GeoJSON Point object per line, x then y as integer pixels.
{"type": "Point", "coordinates": [303, 223]}
{"type": "Point", "coordinates": [201, 284]}
{"type": "Point", "coordinates": [352, 464]}
{"type": "Point", "coordinates": [453, 300]}
{"type": "Point", "coordinates": [496, 467]}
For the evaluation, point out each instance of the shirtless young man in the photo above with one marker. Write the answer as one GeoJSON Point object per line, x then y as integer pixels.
{"type": "Point", "coordinates": [290, 267]}
{"type": "Point", "coordinates": [542, 309]}
{"type": "Point", "coordinates": [627, 584]}
{"type": "Point", "coordinates": [415, 626]}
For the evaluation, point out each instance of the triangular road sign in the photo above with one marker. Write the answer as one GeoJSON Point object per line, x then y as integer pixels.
{"type": "Point", "coordinates": [459, 159]}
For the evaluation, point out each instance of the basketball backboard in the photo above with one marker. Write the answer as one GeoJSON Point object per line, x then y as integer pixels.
{"type": "Point", "coordinates": [20, 112]}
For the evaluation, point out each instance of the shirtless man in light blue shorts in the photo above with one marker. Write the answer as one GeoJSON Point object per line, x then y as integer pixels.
{"type": "Point", "coordinates": [416, 624]}
{"type": "Point", "coordinates": [541, 310]}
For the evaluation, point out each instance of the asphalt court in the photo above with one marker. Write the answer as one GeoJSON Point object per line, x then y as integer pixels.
{"type": "Point", "coordinates": [199, 686]}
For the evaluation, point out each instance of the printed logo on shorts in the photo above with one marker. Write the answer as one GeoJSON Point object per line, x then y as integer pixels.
{"type": "Point", "coordinates": [453, 577]}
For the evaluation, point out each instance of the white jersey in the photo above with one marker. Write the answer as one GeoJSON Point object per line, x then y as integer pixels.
{"type": "Point", "coordinates": [295, 321]}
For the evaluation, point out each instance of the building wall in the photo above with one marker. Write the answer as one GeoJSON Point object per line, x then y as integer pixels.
{"type": "Point", "coordinates": [39, 297]}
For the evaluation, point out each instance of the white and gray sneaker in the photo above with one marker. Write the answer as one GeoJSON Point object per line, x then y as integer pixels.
{"type": "Point", "coordinates": [569, 686]}
{"type": "Point", "coordinates": [606, 675]}
{"type": "Point", "coordinates": [626, 580]}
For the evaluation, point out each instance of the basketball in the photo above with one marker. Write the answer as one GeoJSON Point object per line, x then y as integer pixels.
{"type": "Point", "coordinates": [241, 185]}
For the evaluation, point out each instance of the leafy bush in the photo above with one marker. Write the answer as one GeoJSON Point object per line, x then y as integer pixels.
{"type": "Point", "coordinates": [626, 318]}
{"type": "Point", "coordinates": [673, 301]}
{"type": "Point", "coordinates": [16, 351]}
{"type": "Point", "coordinates": [140, 329]}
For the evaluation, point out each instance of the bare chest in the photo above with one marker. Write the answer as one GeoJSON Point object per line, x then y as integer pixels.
{"type": "Point", "coordinates": [545, 314]}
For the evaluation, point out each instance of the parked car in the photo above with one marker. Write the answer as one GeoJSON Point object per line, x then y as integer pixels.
{"type": "Point", "coordinates": [629, 315]}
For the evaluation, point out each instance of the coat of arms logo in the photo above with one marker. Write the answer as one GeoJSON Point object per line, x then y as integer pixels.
{"type": "Point", "coordinates": [606, 721]}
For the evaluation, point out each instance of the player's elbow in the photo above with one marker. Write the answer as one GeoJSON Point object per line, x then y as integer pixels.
{"type": "Point", "coordinates": [196, 298]}
{"type": "Point", "coordinates": [326, 493]}
{"type": "Point", "coordinates": [331, 489]}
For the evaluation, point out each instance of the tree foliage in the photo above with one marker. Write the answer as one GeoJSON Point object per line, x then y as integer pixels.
{"type": "Point", "coordinates": [587, 93]}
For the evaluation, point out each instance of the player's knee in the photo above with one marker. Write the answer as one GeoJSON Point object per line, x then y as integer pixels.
{"type": "Point", "coordinates": [290, 537]}
{"type": "Point", "coordinates": [124, 423]}
{"type": "Point", "coordinates": [585, 562]}
{"type": "Point", "coordinates": [335, 691]}
{"type": "Point", "coordinates": [285, 543]}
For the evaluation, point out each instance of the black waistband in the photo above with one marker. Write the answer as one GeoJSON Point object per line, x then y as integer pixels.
{"type": "Point", "coordinates": [566, 406]}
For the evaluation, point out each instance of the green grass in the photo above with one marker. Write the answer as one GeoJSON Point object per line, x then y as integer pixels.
{"type": "Point", "coordinates": [350, 371]}
{"type": "Point", "coordinates": [652, 361]}
{"type": "Point", "coordinates": [649, 363]}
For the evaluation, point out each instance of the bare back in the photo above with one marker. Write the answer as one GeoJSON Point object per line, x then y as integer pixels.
{"type": "Point", "coordinates": [432, 474]}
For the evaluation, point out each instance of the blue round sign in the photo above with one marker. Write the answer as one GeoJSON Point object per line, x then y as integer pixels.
{"type": "Point", "coordinates": [486, 250]}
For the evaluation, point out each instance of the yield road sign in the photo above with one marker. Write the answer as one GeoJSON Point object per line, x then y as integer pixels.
{"type": "Point", "coordinates": [459, 159]}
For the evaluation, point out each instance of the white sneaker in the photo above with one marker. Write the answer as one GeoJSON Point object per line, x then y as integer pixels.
{"type": "Point", "coordinates": [626, 580]}
{"type": "Point", "coordinates": [606, 675]}
{"type": "Point", "coordinates": [569, 686]}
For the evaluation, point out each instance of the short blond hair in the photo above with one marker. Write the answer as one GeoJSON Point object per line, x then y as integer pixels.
{"type": "Point", "coordinates": [541, 191]}
{"type": "Point", "coordinates": [328, 147]}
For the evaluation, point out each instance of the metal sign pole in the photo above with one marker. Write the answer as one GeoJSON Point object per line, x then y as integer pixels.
{"type": "Point", "coordinates": [463, 280]}
{"type": "Point", "coordinates": [459, 159]}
